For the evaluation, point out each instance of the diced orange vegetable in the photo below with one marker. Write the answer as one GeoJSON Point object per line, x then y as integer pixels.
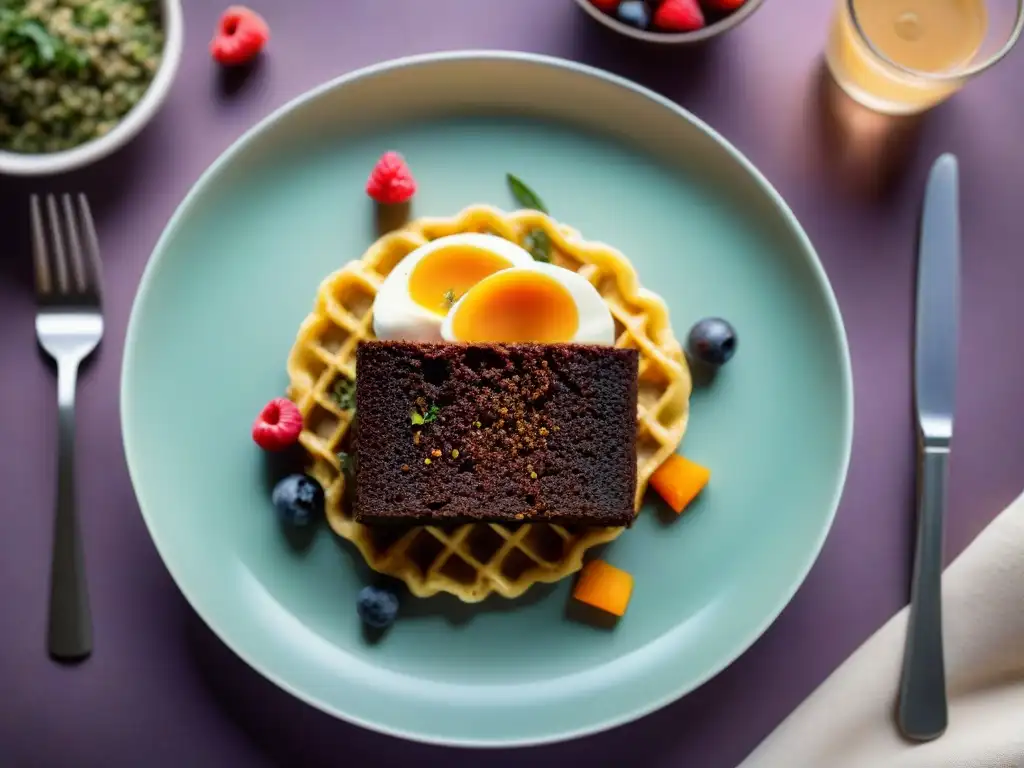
{"type": "Point", "coordinates": [605, 587]}
{"type": "Point", "coordinates": [678, 481]}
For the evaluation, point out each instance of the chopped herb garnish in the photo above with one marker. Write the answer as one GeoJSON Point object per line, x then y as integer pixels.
{"type": "Point", "coordinates": [35, 48]}
{"type": "Point", "coordinates": [525, 196]}
{"type": "Point", "coordinates": [348, 462]}
{"type": "Point", "coordinates": [449, 298]}
{"type": "Point", "coordinates": [537, 242]}
{"type": "Point", "coordinates": [417, 418]}
{"type": "Point", "coordinates": [344, 394]}
{"type": "Point", "coordinates": [92, 17]}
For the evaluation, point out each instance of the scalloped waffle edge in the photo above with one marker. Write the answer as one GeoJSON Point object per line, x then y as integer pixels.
{"type": "Point", "coordinates": [474, 560]}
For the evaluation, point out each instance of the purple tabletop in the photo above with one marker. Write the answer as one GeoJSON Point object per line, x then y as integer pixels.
{"type": "Point", "coordinates": [161, 690]}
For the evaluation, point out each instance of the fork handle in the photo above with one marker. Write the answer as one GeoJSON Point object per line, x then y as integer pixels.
{"type": "Point", "coordinates": [921, 712]}
{"type": "Point", "coordinates": [70, 626]}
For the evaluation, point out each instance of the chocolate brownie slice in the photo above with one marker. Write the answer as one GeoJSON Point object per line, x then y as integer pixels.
{"type": "Point", "coordinates": [451, 433]}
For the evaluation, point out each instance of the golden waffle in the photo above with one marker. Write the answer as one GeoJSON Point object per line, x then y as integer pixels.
{"type": "Point", "coordinates": [472, 561]}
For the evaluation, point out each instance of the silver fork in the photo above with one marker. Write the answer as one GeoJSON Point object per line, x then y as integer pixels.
{"type": "Point", "coordinates": [69, 325]}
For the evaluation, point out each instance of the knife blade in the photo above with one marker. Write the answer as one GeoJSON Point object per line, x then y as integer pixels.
{"type": "Point", "coordinates": [922, 712]}
{"type": "Point", "coordinates": [938, 289]}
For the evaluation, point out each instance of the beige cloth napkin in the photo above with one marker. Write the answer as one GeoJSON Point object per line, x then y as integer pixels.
{"type": "Point", "coordinates": [848, 721]}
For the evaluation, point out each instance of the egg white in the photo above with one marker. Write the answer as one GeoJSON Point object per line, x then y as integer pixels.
{"type": "Point", "coordinates": [397, 317]}
{"type": "Point", "coordinates": [596, 324]}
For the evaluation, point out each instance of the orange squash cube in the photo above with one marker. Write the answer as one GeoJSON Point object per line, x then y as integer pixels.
{"type": "Point", "coordinates": [679, 481]}
{"type": "Point", "coordinates": [605, 587]}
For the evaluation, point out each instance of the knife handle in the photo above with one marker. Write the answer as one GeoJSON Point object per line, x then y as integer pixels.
{"type": "Point", "coordinates": [922, 713]}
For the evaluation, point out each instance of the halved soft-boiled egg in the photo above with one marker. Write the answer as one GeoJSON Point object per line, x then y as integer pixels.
{"type": "Point", "coordinates": [539, 302]}
{"type": "Point", "coordinates": [415, 298]}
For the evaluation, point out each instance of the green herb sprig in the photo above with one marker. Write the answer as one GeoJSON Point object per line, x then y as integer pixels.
{"type": "Point", "coordinates": [536, 241]}
{"type": "Point", "coordinates": [525, 196]}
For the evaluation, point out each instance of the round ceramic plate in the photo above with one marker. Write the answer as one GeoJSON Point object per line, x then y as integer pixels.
{"type": "Point", "coordinates": [236, 272]}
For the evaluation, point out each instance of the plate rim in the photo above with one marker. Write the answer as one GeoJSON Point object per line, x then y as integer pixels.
{"type": "Point", "coordinates": [265, 124]}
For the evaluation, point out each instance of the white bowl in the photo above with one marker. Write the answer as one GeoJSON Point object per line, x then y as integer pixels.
{"type": "Point", "coordinates": [673, 38]}
{"type": "Point", "coordinates": [20, 164]}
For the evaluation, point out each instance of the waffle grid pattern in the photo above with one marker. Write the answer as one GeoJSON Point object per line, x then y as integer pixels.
{"type": "Point", "coordinates": [474, 560]}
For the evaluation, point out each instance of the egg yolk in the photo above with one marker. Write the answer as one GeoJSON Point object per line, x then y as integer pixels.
{"type": "Point", "coordinates": [517, 306]}
{"type": "Point", "coordinates": [442, 277]}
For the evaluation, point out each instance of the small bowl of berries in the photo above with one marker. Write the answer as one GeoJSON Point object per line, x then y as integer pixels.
{"type": "Point", "coordinates": [670, 21]}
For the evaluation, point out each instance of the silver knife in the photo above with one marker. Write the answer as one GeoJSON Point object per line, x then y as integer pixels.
{"type": "Point", "coordinates": [922, 712]}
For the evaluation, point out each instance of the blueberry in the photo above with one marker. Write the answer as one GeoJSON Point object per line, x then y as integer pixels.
{"type": "Point", "coordinates": [712, 341]}
{"type": "Point", "coordinates": [377, 607]}
{"type": "Point", "coordinates": [634, 12]}
{"type": "Point", "coordinates": [298, 499]}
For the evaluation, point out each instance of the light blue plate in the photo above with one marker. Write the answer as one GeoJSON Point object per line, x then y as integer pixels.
{"type": "Point", "coordinates": [236, 272]}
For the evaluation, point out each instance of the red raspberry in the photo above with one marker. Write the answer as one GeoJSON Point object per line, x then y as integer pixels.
{"type": "Point", "coordinates": [391, 180]}
{"type": "Point", "coordinates": [724, 6]}
{"type": "Point", "coordinates": [241, 35]}
{"type": "Point", "coordinates": [608, 6]}
{"type": "Point", "coordinates": [679, 16]}
{"type": "Point", "coordinates": [278, 425]}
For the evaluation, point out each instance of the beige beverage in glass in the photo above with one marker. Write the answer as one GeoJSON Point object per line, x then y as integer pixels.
{"type": "Point", "coordinates": [904, 56]}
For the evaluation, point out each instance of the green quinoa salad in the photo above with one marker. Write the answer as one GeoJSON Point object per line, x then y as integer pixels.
{"type": "Point", "coordinates": [71, 69]}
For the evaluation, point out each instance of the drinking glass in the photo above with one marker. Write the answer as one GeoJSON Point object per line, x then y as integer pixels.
{"type": "Point", "coordinates": [905, 56]}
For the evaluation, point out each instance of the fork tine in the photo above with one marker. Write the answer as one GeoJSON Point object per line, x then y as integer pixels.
{"type": "Point", "coordinates": [60, 260]}
{"type": "Point", "coordinates": [93, 264]}
{"type": "Point", "coordinates": [44, 280]}
{"type": "Point", "coordinates": [74, 244]}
